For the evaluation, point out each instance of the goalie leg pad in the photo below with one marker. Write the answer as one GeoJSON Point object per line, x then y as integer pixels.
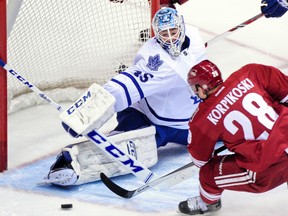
{"type": "Point", "coordinates": [88, 161]}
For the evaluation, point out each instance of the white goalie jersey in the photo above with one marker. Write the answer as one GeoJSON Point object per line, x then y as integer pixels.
{"type": "Point", "coordinates": [156, 84]}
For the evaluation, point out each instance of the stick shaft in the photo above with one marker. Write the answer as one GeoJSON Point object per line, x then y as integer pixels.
{"type": "Point", "coordinates": [30, 86]}
{"type": "Point", "coordinates": [175, 177]}
{"type": "Point", "coordinates": [240, 26]}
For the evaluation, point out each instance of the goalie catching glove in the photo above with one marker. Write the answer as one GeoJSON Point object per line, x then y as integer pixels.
{"type": "Point", "coordinates": [274, 8]}
{"type": "Point", "coordinates": [83, 162]}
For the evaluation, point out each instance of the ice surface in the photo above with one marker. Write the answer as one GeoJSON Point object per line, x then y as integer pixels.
{"type": "Point", "coordinates": [264, 41]}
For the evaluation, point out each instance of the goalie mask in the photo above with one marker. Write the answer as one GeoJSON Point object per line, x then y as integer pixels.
{"type": "Point", "coordinates": [206, 75]}
{"type": "Point", "coordinates": [169, 30]}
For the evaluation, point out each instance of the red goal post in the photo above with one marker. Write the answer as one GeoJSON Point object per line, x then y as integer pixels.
{"type": "Point", "coordinates": [65, 46]}
{"type": "Point", "coordinates": [3, 88]}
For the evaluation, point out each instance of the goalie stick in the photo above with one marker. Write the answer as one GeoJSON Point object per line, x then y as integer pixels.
{"type": "Point", "coordinates": [168, 180]}
{"type": "Point", "coordinates": [99, 139]}
{"type": "Point", "coordinates": [225, 34]}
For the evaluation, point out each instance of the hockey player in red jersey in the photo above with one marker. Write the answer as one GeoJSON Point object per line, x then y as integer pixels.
{"type": "Point", "coordinates": [249, 113]}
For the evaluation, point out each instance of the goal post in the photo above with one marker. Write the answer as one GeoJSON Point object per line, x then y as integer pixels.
{"type": "Point", "coordinates": [3, 88]}
{"type": "Point", "coordinates": [62, 47]}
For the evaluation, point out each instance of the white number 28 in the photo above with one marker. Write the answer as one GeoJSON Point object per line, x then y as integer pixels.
{"type": "Point", "coordinates": [256, 106]}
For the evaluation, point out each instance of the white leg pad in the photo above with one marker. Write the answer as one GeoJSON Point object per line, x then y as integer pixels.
{"type": "Point", "coordinates": [88, 161]}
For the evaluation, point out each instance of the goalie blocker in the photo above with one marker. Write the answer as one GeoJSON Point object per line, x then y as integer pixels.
{"type": "Point", "coordinates": [83, 162]}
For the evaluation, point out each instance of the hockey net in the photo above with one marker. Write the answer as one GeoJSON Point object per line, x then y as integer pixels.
{"type": "Point", "coordinates": [62, 47]}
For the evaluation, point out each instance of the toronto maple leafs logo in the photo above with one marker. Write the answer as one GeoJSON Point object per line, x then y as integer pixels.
{"type": "Point", "coordinates": [154, 62]}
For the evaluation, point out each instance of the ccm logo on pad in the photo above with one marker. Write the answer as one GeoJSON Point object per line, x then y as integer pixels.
{"type": "Point", "coordinates": [79, 103]}
{"type": "Point", "coordinates": [113, 151]}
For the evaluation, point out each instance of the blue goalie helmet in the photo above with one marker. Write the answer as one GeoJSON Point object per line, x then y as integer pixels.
{"type": "Point", "coordinates": [169, 30]}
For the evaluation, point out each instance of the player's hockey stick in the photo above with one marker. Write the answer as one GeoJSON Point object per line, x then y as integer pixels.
{"type": "Point", "coordinates": [165, 181]}
{"type": "Point", "coordinates": [99, 139]}
{"type": "Point", "coordinates": [179, 173]}
{"type": "Point", "coordinates": [225, 34]}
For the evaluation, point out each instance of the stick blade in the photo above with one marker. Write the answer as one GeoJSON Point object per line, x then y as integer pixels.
{"type": "Point", "coordinates": [116, 188]}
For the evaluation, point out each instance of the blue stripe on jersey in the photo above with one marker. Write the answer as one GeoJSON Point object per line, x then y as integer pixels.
{"type": "Point", "coordinates": [135, 83]}
{"type": "Point", "coordinates": [125, 89]}
{"type": "Point", "coordinates": [163, 118]}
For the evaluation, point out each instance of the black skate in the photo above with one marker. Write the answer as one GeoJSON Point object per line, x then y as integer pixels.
{"type": "Point", "coordinates": [196, 205]}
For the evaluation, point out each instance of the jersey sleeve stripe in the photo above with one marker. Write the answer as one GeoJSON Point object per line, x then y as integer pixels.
{"type": "Point", "coordinates": [135, 83]}
{"type": "Point", "coordinates": [235, 179]}
{"type": "Point", "coordinates": [284, 100]}
{"type": "Point", "coordinates": [125, 89]}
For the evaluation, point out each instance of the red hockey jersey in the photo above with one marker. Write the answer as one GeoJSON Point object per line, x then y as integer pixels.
{"type": "Point", "coordinates": [249, 113]}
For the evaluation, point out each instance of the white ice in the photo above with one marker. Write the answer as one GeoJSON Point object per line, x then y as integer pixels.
{"type": "Point", "coordinates": [35, 135]}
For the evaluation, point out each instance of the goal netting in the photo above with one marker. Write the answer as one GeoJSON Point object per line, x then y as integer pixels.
{"type": "Point", "coordinates": [63, 46]}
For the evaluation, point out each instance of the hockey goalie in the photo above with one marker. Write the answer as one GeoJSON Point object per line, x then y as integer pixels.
{"type": "Point", "coordinates": [152, 100]}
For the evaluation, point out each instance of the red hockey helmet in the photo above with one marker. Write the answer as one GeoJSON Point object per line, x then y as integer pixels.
{"type": "Point", "coordinates": [206, 75]}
